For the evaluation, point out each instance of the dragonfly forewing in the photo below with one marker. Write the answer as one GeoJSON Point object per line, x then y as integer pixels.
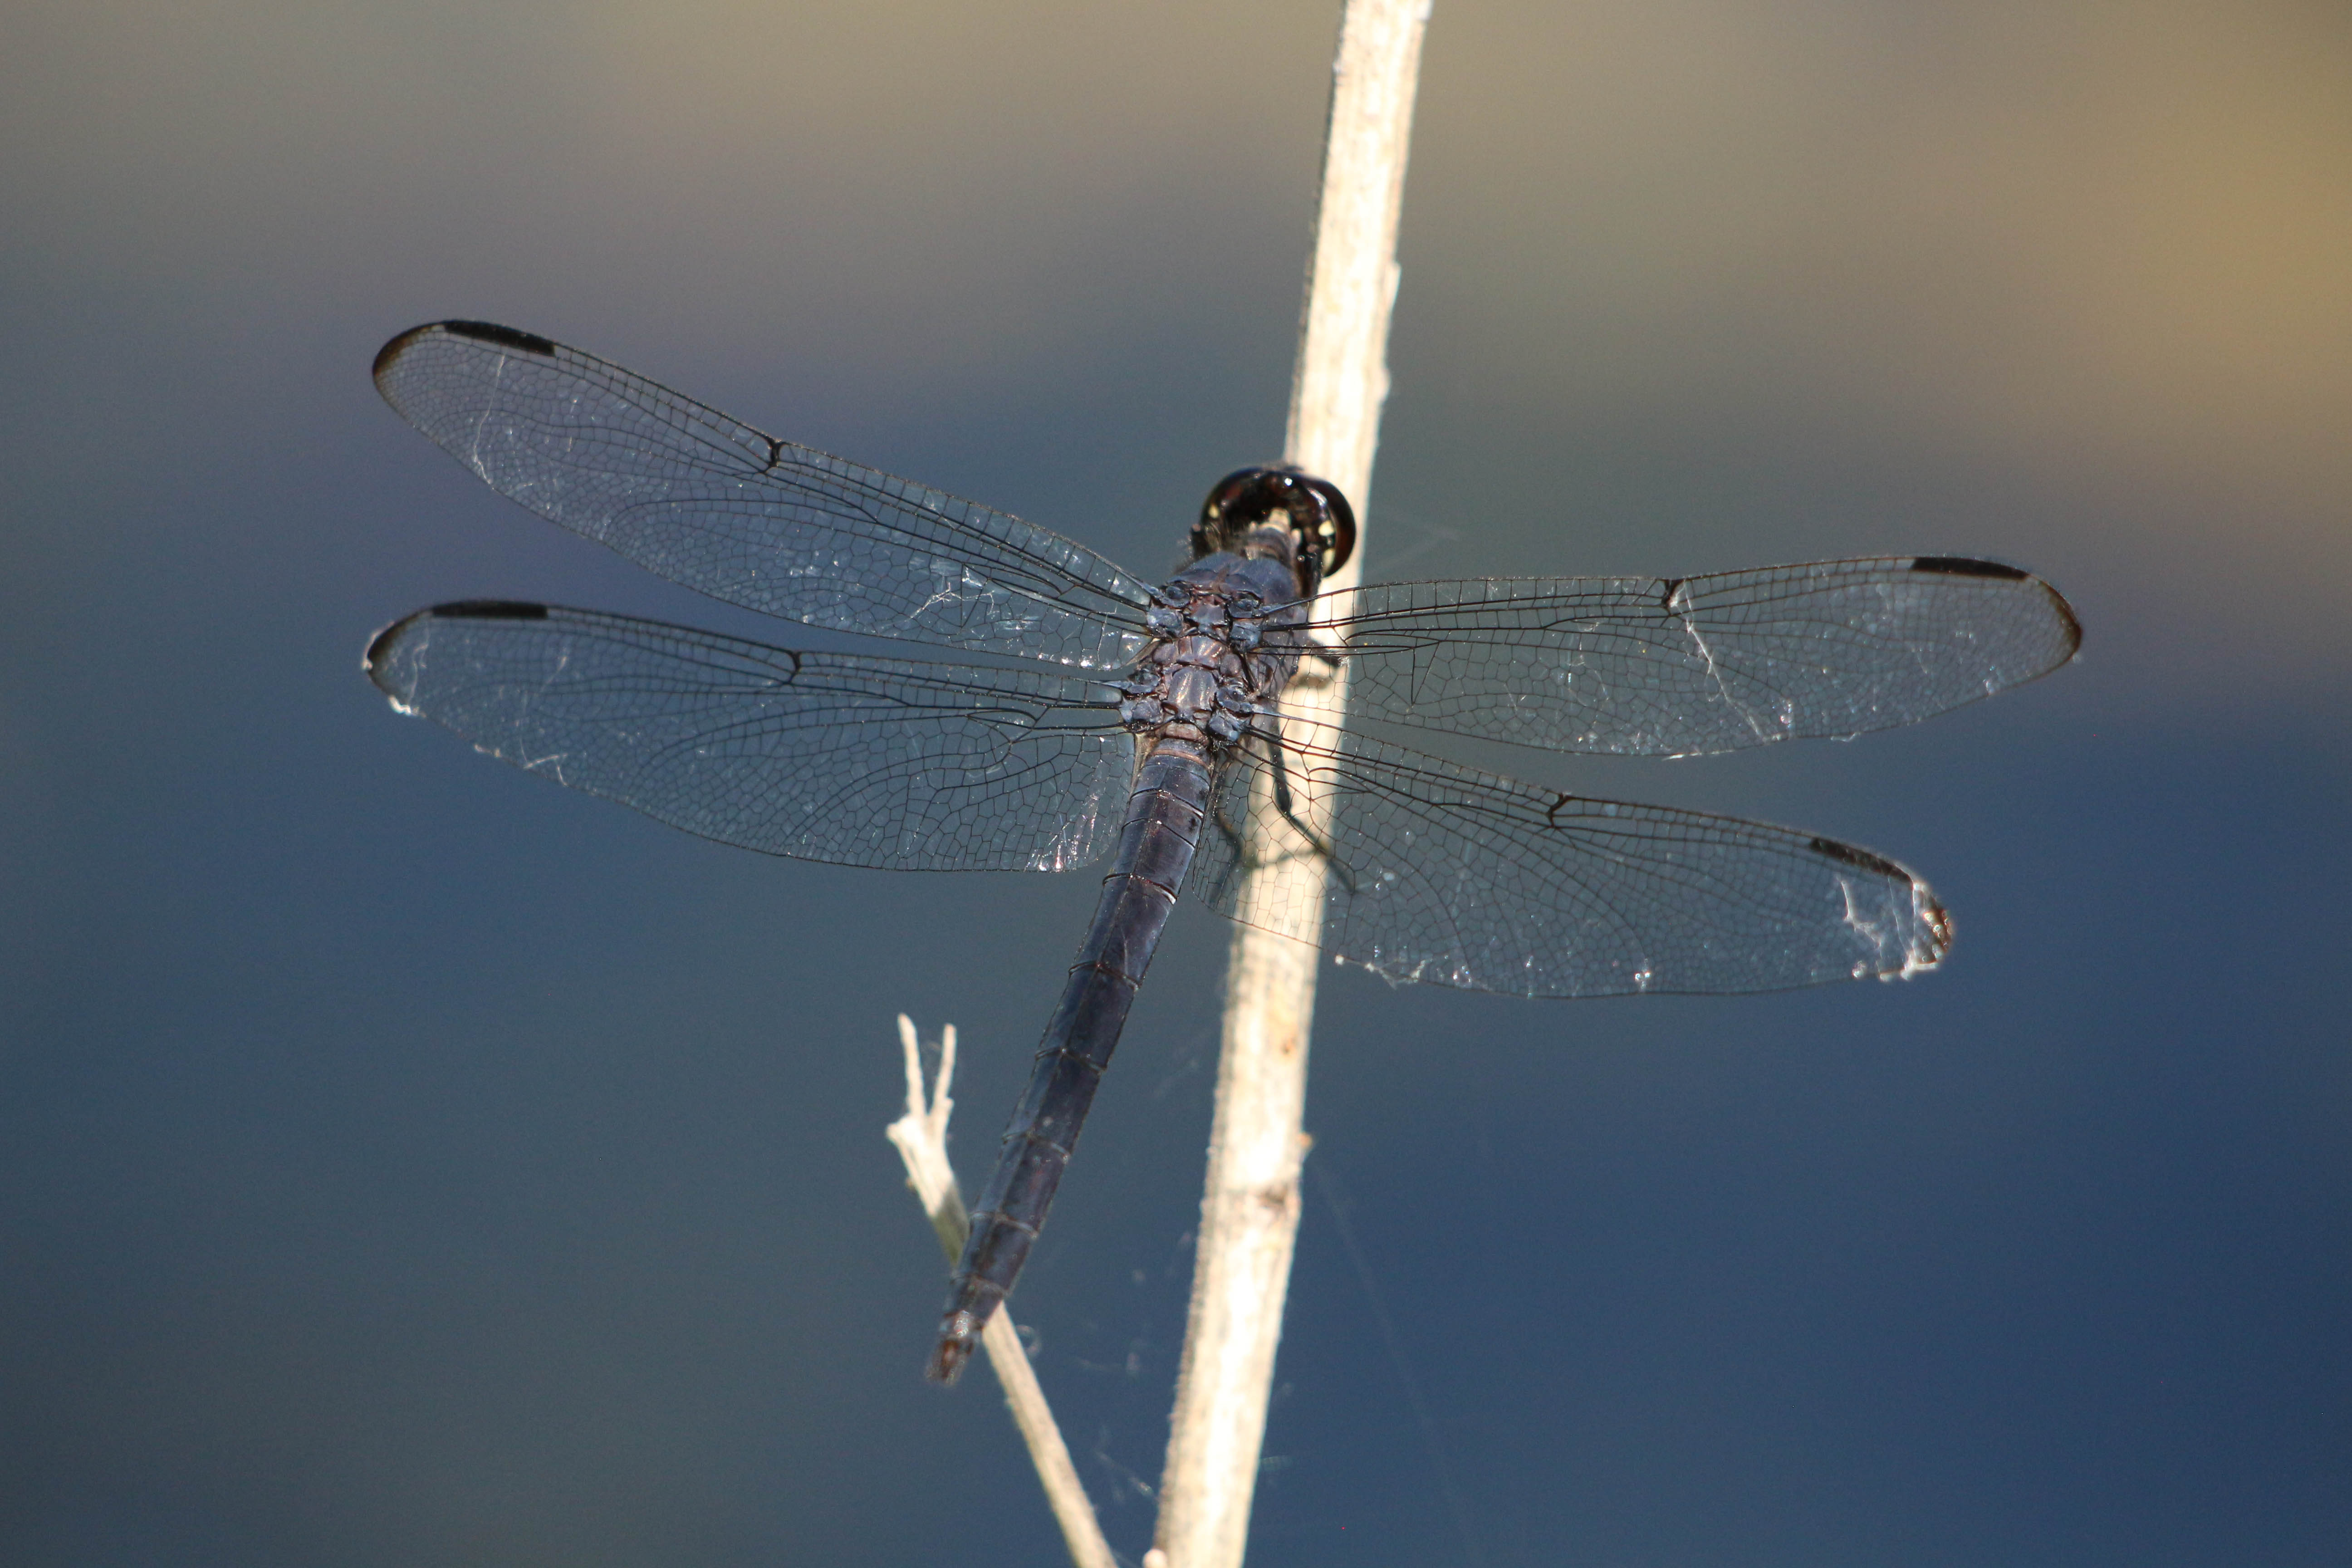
{"type": "Point", "coordinates": [1667, 667]}
{"type": "Point", "coordinates": [706, 500]}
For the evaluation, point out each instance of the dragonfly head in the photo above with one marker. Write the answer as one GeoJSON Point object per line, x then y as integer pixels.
{"type": "Point", "coordinates": [1320, 524]}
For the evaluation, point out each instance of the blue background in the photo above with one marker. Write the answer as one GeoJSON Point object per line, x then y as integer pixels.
{"type": "Point", "coordinates": [402, 1161]}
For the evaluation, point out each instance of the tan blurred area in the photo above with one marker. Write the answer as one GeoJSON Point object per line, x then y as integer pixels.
{"type": "Point", "coordinates": [2108, 240]}
{"type": "Point", "coordinates": [2119, 234]}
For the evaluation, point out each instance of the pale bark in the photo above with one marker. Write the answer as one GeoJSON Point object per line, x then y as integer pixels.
{"type": "Point", "coordinates": [1250, 1208]}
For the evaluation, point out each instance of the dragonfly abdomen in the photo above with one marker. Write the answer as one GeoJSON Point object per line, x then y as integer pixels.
{"type": "Point", "coordinates": [1163, 831]}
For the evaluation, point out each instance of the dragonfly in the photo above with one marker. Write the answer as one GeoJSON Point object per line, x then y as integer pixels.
{"type": "Point", "coordinates": [1147, 718]}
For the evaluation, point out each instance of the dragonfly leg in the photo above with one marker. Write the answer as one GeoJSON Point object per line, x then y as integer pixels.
{"type": "Point", "coordinates": [1285, 807]}
{"type": "Point", "coordinates": [1244, 858]}
{"type": "Point", "coordinates": [1317, 666]}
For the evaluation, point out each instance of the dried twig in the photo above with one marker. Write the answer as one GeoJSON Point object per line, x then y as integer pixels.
{"type": "Point", "coordinates": [1249, 1211]}
{"type": "Point", "coordinates": [921, 1136]}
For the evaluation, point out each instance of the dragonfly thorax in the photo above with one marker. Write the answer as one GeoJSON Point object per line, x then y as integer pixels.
{"type": "Point", "coordinates": [1212, 663]}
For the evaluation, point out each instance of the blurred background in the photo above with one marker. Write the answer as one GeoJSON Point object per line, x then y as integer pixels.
{"type": "Point", "coordinates": [402, 1160]}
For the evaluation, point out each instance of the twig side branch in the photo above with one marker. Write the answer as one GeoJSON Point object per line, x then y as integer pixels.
{"type": "Point", "coordinates": [1249, 1211]}
{"type": "Point", "coordinates": [922, 1138]}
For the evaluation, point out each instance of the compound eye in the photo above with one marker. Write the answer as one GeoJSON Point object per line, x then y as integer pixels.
{"type": "Point", "coordinates": [1248, 494]}
{"type": "Point", "coordinates": [1236, 503]}
{"type": "Point", "coordinates": [1339, 524]}
{"type": "Point", "coordinates": [1320, 516]}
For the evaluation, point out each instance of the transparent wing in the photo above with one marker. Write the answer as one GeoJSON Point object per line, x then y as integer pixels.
{"type": "Point", "coordinates": [859, 762]}
{"type": "Point", "coordinates": [1446, 875]}
{"type": "Point", "coordinates": [684, 491]}
{"type": "Point", "coordinates": [1647, 666]}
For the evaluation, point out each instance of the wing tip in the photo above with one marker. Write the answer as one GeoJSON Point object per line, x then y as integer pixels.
{"type": "Point", "coordinates": [1938, 920]}
{"type": "Point", "coordinates": [1933, 941]}
{"type": "Point", "coordinates": [512, 338]}
{"type": "Point", "coordinates": [1930, 937]}
{"type": "Point", "coordinates": [376, 661]}
{"type": "Point", "coordinates": [1999, 572]}
{"type": "Point", "coordinates": [2072, 623]}
{"type": "Point", "coordinates": [379, 648]}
